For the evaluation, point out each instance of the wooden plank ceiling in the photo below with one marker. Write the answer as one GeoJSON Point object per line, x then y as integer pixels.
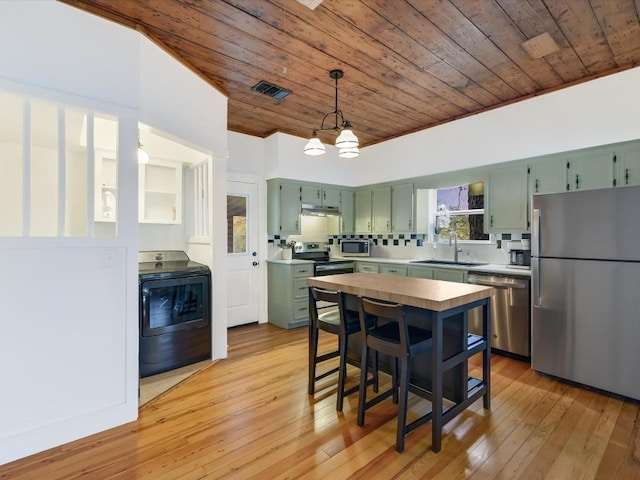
{"type": "Point", "coordinates": [408, 64]}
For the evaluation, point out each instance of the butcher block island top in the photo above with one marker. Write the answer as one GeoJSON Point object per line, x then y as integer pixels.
{"type": "Point", "coordinates": [435, 295]}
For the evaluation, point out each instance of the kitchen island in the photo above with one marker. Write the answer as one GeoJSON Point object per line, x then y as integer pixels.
{"type": "Point", "coordinates": [441, 307]}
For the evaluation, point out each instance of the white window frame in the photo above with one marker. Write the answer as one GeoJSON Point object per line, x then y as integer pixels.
{"type": "Point", "coordinates": [433, 211]}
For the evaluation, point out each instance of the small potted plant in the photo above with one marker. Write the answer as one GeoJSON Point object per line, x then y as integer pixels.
{"type": "Point", "coordinates": [287, 250]}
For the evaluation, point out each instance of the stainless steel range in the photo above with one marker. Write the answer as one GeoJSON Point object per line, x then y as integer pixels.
{"type": "Point", "coordinates": [318, 252]}
{"type": "Point", "coordinates": [175, 311]}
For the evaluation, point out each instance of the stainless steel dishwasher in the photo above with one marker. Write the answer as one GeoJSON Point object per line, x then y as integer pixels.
{"type": "Point", "coordinates": [510, 313]}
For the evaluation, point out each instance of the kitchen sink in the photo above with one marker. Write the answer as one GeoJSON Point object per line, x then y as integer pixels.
{"type": "Point", "coordinates": [449, 262]}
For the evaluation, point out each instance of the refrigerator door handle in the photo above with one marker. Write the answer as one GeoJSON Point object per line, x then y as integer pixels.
{"type": "Point", "coordinates": [535, 233]}
{"type": "Point", "coordinates": [535, 270]}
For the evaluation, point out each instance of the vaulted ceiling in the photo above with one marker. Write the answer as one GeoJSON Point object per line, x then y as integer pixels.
{"type": "Point", "coordinates": [408, 64]}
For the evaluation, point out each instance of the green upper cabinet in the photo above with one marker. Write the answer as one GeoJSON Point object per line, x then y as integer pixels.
{"type": "Point", "coordinates": [547, 176]}
{"type": "Point", "coordinates": [283, 208]}
{"type": "Point", "coordinates": [381, 209]}
{"type": "Point", "coordinates": [347, 211]}
{"type": "Point", "coordinates": [310, 195]}
{"type": "Point", "coordinates": [595, 168]}
{"type": "Point", "coordinates": [363, 210]}
{"type": "Point", "coordinates": [317, 195]}
{"type": "Point", "coordinates": [331, 196]}
{"type": "Point", "coordinates": [402, 208]}
{"type": "Point", "coordinates": [506, 208]}
{"type": "Point", "coordinates": [629, 167]}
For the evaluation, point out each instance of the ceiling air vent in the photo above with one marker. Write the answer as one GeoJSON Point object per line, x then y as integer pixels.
{"type": "Point", "coordinates": [271, 90]}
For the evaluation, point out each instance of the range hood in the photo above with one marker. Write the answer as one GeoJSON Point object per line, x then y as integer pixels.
{"type": "Point", "coordinates": [319, 210]}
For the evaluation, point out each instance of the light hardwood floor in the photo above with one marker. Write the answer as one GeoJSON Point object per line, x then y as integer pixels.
{"type": "Point", "coordinates": [250, 417]}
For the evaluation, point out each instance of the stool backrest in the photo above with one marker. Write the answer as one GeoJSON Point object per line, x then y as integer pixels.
{"type": "Point", "coordinates": [371, 311]}
{"type": "Point", "coordinates": [330, 296]}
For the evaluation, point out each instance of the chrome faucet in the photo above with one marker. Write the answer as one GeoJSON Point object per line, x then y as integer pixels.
{"type": "Point", "coordinates": [456, 250]}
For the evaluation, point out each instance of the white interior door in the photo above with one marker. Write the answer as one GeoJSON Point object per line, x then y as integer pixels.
{"type": "Point", "coordinates": [243, 277]}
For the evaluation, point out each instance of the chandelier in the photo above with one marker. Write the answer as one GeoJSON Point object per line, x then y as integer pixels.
{"type": "Point", "coordinates": [346, 142]}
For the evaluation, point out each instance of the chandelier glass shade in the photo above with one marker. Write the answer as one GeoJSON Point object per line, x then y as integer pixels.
{"type": "Point", "coordinates": [346, 142]}
{"type": "Point", "coordinates": [348, 152]}
{"type": "Point", "coordinates": [314, 146]}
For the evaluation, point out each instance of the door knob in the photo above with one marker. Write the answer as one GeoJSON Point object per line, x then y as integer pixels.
{"type": "Point", "coordinates": [255, 264]}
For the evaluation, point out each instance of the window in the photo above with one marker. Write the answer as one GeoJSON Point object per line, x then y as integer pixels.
{"type": "Point", "coordinates": [461, 210]}
{"type": "Point", "coordinates": [236, 224]}
{"type": "Point", "coordinates": [49, 152]}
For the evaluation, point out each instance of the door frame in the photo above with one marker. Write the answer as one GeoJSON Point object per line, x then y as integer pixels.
{"type": "Point", "coordinates": [261, 220]}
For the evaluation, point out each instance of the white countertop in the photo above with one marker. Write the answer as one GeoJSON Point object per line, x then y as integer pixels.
{"type": "Point", "coordinates": [489, 268]}
{"type": "Point", "coordinates": [289, 262]}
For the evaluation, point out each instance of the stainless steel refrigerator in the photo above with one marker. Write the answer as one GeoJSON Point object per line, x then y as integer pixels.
{"type": "Point", "coordinates": [585, 296]}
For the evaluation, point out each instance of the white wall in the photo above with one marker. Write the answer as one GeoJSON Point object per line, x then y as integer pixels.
{"type": "Point", "coordinates": [598, 112]}
{"type": "Point", "coordinates": [284, 158]}
{"type": "Point", "coordinates": [175, 100]}
{"type": "Point", "coordinates": [246, 154]}
{"type": "Point", "coordinates": [69, 349]}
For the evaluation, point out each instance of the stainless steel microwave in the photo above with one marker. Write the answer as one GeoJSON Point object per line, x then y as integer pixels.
{"type": "Point", "coordinates": [355, 248]}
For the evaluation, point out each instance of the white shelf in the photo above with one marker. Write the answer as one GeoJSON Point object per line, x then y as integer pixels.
{"type": "Point", "coordinates": [160, 192]}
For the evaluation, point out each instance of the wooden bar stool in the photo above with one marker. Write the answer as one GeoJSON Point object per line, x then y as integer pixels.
{"type": "Point", "coordinates": [385, 330]}
{"type": "Point", "coordinates": [336, 319]}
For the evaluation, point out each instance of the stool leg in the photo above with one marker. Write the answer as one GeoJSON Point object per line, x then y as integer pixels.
{"type": "Point", "coordinates": [394, 380]}
{"type": "Point", "coordinates": [376, 382]}
{"type": "Point", "coordinates": [313, 354]}
{"type": "Point", "coordinates": [362, 394]}
{"type": "Point", "coordinates": [342, 372]}
{"type": "Point", "coordinates": [404, 399]}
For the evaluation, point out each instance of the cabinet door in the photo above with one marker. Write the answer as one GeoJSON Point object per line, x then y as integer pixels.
{"type": "Point", "coordinates": [289, 207]}
{"type": "Point", "coordinates": [363, 211]}
{"type": "Point", "coordinates": [548, 176]}
{"type": "Point", "coordinates": [331, 197]}
{"type": "Point", "coordinates": [394, 270]}
{"type": "Point", "coordinates": [347, 211]}
{"type": "Point", "coordinates": [317, 195]}
{"type": "Point", "coordinates": [450, 275]}
{"type": "Point", "coordinates": [311, 195]}
{"type": "Point", "coordinates": [402, 207]}
{"type": "Point", "coordinates": [506, 211]}
{"type": "Point", "coordinates": [367, 267]}
{"type": "Point", "coordinates": [591, 170]}
{"type": "Point", "coordinates": [629, 168]}
{"type": "Point", "coordinates": [160, 192]}
{"type": "Point", "coordinates": [381, 208]}
{"type": "Point", "coordinates": [421, 272]}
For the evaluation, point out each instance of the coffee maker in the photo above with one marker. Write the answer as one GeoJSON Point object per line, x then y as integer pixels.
{"type": "Point", "coordinates": [519, 254]}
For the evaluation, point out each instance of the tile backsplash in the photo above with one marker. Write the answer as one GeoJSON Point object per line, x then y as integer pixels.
{"type": "Point", "coordinates": [408, 246]}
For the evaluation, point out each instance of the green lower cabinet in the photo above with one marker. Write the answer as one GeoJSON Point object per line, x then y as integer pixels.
{"type": "Point", "coordinates": [421, 272]}
{"type": "Point", "coordinates": [367, 267]}
{"type": "Point", "coordinates": [446, 274]}
{"type": "Point", "coordinates": [393, 270]}
{"type": "Point", "coordinates": [289, 294]}
{"type": "Point", "coordinates": [450, 275]}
